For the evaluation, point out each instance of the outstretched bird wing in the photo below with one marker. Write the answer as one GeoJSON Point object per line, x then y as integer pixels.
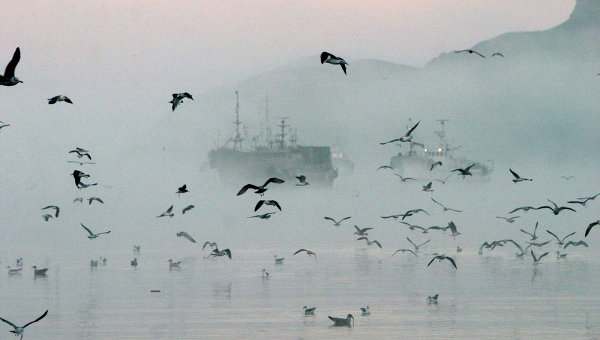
{"type": "Point", "coordinates": [590, 226]}
{"type": "Point", "coordinates": [551, 233]}
{"type": "Point", "coordinates": [325, 55]}
{"type": "Point", "coordinates": [452, 261]}
{"type": "Point", "coordinates": [104, 232]}
{"type": "Point", "coordinates": [343, 68]}
{"type": "Point", "coordinates": [89, 231]}
{"type": "Point", "coordinates": [186, 235]}
{"type": "Point", "coordinates": [430, 262]}
{"type": "Point", "coordinates": [300, 250]}
{"type": "Point", "coordinates": [277, 205]}
{"type": "Point", "coordinates": [9, 72]}
{"type": "Point", "coordinates": [514, 174]}
{"type": "Point", "coordinates": [228, 252]}
{"type": "Point", "coordinates": [390, 141]}
{"type": "Point", "coordinates": [259, 204]}
{"type": "Point", "coordinates": [8, 322]}
{"type": "Point", "coordinates": [412, 129]}
{"type": "Point", "coordinates": [246, 187]}
{"type": "Point", "coordinates": [273, 180]}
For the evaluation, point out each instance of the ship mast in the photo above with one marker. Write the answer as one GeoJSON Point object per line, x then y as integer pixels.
{"type": "Point", "coordinates": [281, 135]}
{"type": "Point", "coordinates": [442, 133]}
{"type": "Point", "coordinates": [237, 141]}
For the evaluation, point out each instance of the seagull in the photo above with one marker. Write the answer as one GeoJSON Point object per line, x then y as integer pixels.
{"type": "Point", "coordinates": [260, 189]}
{"type": "Point", "coordinates": [182, 190]}
{"type": "Point", "coordinates": [94, 264]}
{"type": "Point", "coordinates": [265, 274]}
{"type": "Point", "coordinates": [56, 209]}
{"type": "Point", "coordinates": [186, 235]}
{"type": "Point", "coordinates": [136, 249]}
{"type": "Point", "coordinates": [92, 235]}
{"type": "Point", "coordinates": [278, 260]}
{"type": "Point", "coordinates": [536, 260]}
{"type": "Point", "coordinates": [361, 231]}
{"type": "Point", "coordinates": [178, 97]}
{"type": "Point", "coordinates": [556, 209]}
{"type": "Point", "coordinates": [583, 200]}
{"type": "Point", "coordinates": [385, 167]}
{"type": "Point", "coordinates": [336, 223]}
{"type": "Point", "coordinates": [445, 207]}
{"type": "Point", "coordinates": [209, 244]}
{"type": "Point", "coordinates": [167, 213]}
{"type": "Point", "coordinates": [427, 188]}
{"type": "Point", "coordinates": [465, 172]}
{"type": "Point", "coordinates": [189, 207]}
{"type": "Point", "coordinates": [412, 212]}
{"type": "Point", "coordinates": [19, 330]}
{"type": "Point", "coordinates": [83, 185]}
{"type": "Point", "coordinates": [59, 98]}
{"type": "Point", "coordinates": [134, 262]}
{"type": "Point", "coordinates": [443, 181]}
{"type": "Point", "coordinates": [559, 255]}
{"type": "Point", "coordinates": [337, 322]}
{"type": "Point", "coordinates": [78, 175]}
{"type": "Point", "coordinates": [439, 163]}
{"type": "Point", "coordinates": [406, 138]}
{"type": "Point", "coordinates": [3, 125]}
{"type": "Point", "coordinates": [578, 243]}
{"type": "Point", "coordinates": [560, 241]}
{"type": "Point", "coordinates": [46, 217]}
{"type": "Point", "coordinates": [216, 252]}
{"type": "Point", "coordinates": [81, 153]}
{"type": "Point", "coordinates": [9, 79]}
{"type": "Point", "coordinates": [309, 311]}
{"type": "Point", "coordinates": [308, 252]}
{"type": "Point", "coordinates": [498, 54]}
{"type": "Point", "coordinates": [173, 264]}
{"type": "Point", "coordinates": [404, 179]}
{"type": "Point", "coordinates": [39, 272]}
{"type": "Point", "coordinates": [432, 299]}
{"type": "Point", "coordinates": [404, 251]}
{"type": "Point", "coordinates": [81, 162]}
{"type": "Point", "coordinates": [538, 244]}
{"type": "Point", "coordinates": [78, 199]}
{"type": "Point", "coordinates": [264, 216]}
{"type": "Point", "coordinates": [442, 257]}
{"type": "Point", "coordinates": [370, 242]}
{"type": "Point", "coordinates": [365, 310]}
{"type": "Point", "coordinates": [521, 253]}
{"type": "Point", "coordinates": [302, 180]}
{"type": "Point", "coordinates": [590, 226]}
{"type": "Point", "coordinates": [12, 271]}
{"type": "Point", "coordinates": [518, 178]}
{"type": "Point", "coordinates": [566, 178]}
{"type": "Point", "coordinates": [508, 219]}
{"type": "Point", "coordinates": [490, 246]}
{"type": "Point", "coordinates": [417, 246]}
{"type": "Point", "coordinates": [267, 202]}
{"type": "Point", "coordinates": [91, 199]}
{"type": "Point", "coordinates": [453, 229]}
{"type": "Point", "coordinates": [524, 208]}
{"type": "Point", "coordinates": [471, 51]}
{"type": "Point", "coordinates": [329, 58]}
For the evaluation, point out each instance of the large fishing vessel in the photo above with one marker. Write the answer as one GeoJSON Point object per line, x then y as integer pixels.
{"type": "Point", "coordinates": [417, 162]}
{"type": "Point", "coordinates": [253, 160]}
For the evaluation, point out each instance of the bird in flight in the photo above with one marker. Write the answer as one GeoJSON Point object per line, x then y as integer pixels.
{"type": "Point", "coordinates": [336, 223]}
{"type": "Point", "coordinates": [573, 243]}
{"type": "Point", "coordinates": [188, 208]}
{"type": "Point", "coordinates": [417, 246]}
{"type": "Point", "coordinates": [260, 189]}
{"type": "Point", "coordinates": [54, 207]}
{"type": "Point", "coordinates": [216, 253]}
{"type": "Point", "coordinates": [182, 190]}
{"type": "Point", "coordinates": [308, 252]}
{"type": "Point", "coordinates": [404, 179]}
{"type": "Point", "coordinates": [536, 260]}
{"type": "Point", "coordinates": [92, 199]}
{"type": "Point", "coordinates": [559, 240]}
{"type": "Point", "coordinates": [369, 242]}
{"type": "Point", "coordinates": [444, 207]}
{"type": "Point", "coordinates": [433, 165]}
{"type": "Point", "coordinates": [177, 99]}
{"type": "Point", "coordinates": [46, 217]}
{"type": "Point", "coordinates": [186, 235]}
{"type": "Point", "coordinates": [590, 226]}
{"type": "Point", "coordinates": [566, 178]}
{"type": "Point", "coordinates": [583, 200]}
{"type": "Point", "coordinates": [444, 180]}
{"type": "Point", "coordinates": [78, 175]}
{"type": "Point", "coordinates": [470, 52]}
{"type": "Point", "coordinates": [518, 178]}
{"type": "Point", "coordinates": [302, 180]}
{"type": "Point", "coordinates": [264, 216]}
{"type": "Point", "coordinates": [406, 138]}
{"type": "Point", "coordinates": [329, 58]}
{"type": "Point", "coordinates": [465, 172]}
{"type": "Point", "coordinates": [209, 244]}
{"type": "Point", "coordinates": [555, 209]}
{"type": "Point", "coordinates": [9, 79]}
{"type": "Point", "coordinates": [92, 235]}
{"type": "Point", "coordinates": [167, 213]}
{"type": "Point", "coordinates": [19, 330]}
{"type": "Point", "coordinates": [427, 187]}
{"type": "Point", "coordinates": [59, 98]}
{"type": "Point", "coordinates": [442, 257]}
{"type": "Point", "coordinates": [498, 54]}
{"type": "Point", "coordinates": [361, 231]}
{"type": "Point", "coordinates": [534, 235]}
{"type": "Point", "coordinates": [508, 219]}
{"type": "Point", "coordinates": [404, 251]}
{"type": "Point", "coordinates": [267, 202]}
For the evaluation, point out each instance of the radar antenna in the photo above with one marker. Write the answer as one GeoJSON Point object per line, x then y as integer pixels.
{"type": "Point", "coordinates": [237, 141]}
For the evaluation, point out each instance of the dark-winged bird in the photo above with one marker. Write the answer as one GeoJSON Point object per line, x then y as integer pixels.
{"type": "Point", "coordinates": [406, 138]}
{"type": "Point", "coordinates": [329, 58]}
{"type": "Point", "coordinates": [518, 178]}
{"type": "Point", "coordinates": [470, 52]}
{"type": "Point", "coordinates": [59, 98]}
{"type": "Point", "coordinates": [465, 172]}
{"type": "Point", "coordinates": [440, 258]}
{"type": "Point", "coordinates": [267, 202]}
{"type": "Point", "coordinates": [182, 190]}
{"type": "Point", "coordinates": [9, 79]}
{"type": "Point", "coordinates": [19, 330]}
{"type": "Point", "coordinates": [178, 97]}
{"type": "Point", "coordinates": [260, 189]}
{"type": "Point", "coordinates": [78, 175]}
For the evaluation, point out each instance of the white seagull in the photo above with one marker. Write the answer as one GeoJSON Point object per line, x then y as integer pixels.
{"type": "Point", "coordinates": [336, 223]}
{"type": "Point", "coordinates": [19, 330]}
{"type": "Point", "coordinates": [9, 79]}
{"type": "Point", "coordinates": [406, 138]}
{"type": "Point", "coordinates": [92, 235]}
{"type": "Point", "coordinates": [167, 213]}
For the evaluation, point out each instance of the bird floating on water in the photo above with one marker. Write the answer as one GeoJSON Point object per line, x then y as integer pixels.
{"type": "Point", "coordinates": [365, 310]}
{"type": "Point", "coordinates": [19, 330]}
{"type": "Point", "coordinates": [134, 262]}
{"type": "Point", "coordinates": [329, 58]}
{"type": "Point", "coordinates": [59, 98]}
{"type": "Point", "coordinates": [259, 189]}
{"type": "Point", "coordinates": [9, 79]}
{"type": "Point", "coordinates": [39, 272]}
{"type": "Point", "coordinates": [309, 311]}
{"type": "Point", "coordinates": [337, 322]}
{"type": "Point", "coordinates": [265, 274]}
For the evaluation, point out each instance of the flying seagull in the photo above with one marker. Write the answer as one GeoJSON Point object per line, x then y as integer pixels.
{"type": "Point", "coordinates": [498, 54]}
{"type": "Point", "coordinates": [81, 153]}
{"type": "Point", "coordinates": [186, 235]}
{"type": "Point", "coordinates": [336, 223]}
{"type": "Point", "coordinates": [518, 178]}
{"type": "Point", "coordinates": [417, 246]}
{"type": "Point", "coordinates": [56, 209]}
{"type": "Point", "coordinates": [329, 58]}
{"type": "Point", "coordinates": [217, 253]}
{"type": "Point", "coordinates": [536, 260]}
{"type": "Point", "coordinates": [583, 200]}
{"type": "Point", "coordinates": [3, 125]}
{"type": "Point", "coordinates": [427, 187]}
{"type": "Point", "coordinates": [404, 179]}
{"type": "Point", "coordinates": [9, 79]}
{"type": "Point", "coordinates": [264, 216]}
{"type": "Point", "coordinates": [440, 258]}
{"type": "Point", "coordinates": [534, 235]}
{"type": "Point", "coordinates": [369, 242]}
{"type": "Point", "coordinates": [444, 207]}
{"type": "Point", "coordinates": [91, 199]}
{"type": "Point", "coordinates": [508, 219]}
{"type": "Point", "coordinates": [259, 189]}
{"type": "Point", "coordinates": [302, 180]}
{"type": "Point", "coordinates": [559, 240]}
{"type": "Point", "coordinates": [444, 180]}
{"type": "Point", "coordinates": [567, 177]}
{"type": "Point", "coordinates": [590, 226]}
{"type": "Point", "coordinates": [59, 98]}
{"type": "Point", "coordinates": [361, 231]}
{"type": "Point", "coordinates": [465, 172]}
{"type": "Point", "coordinates": [167, 213]}
{"type": "Point", "coordinates": [189, 207]}
{"type": "Point", "coordinates": [555, 209]}
{"type": "Point", "coordinates": [46, 217]}
{"type": "Point", "coordinates": [524, 208]}
{"type": "Point", "coordinates": [19, 330]}
{"type": "Point", "coordinates": [182, 190]}
{"type": "Point", "coordinates": [267, 202]}
{"type": "Point", "coordinates": [406, 138]}
{"type": "Point", "coordinates": [209, 244]}
{"type": "Point", "coordinates": [521, 251]}
{"type": "Point", "coordinates": [338, 322]}
{"type": "Point", "coordinates": [470, 52]}
{"type": "Point", "coordinates": [78, 175]}
{"type": "Point", "coordinates": [573, 243]}
{"type": "Point", "coordinates": [92, 235]}
{"type": "Point", "coordinates": [453, 229]}
{"type": "Point", "coordinates": [403, 251]}
{"type": "Point", "coordinates": [308, 252]}
{"type": "Point", "coordinates": [177, 99]}
{"type": "Point", "coordinates": [439, 163]}
{"type": "Point", "coordinates": [385, 167]}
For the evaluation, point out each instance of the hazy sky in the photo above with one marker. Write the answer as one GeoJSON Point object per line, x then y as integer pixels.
{"type": "Point", "coordinates": [209, 43]}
